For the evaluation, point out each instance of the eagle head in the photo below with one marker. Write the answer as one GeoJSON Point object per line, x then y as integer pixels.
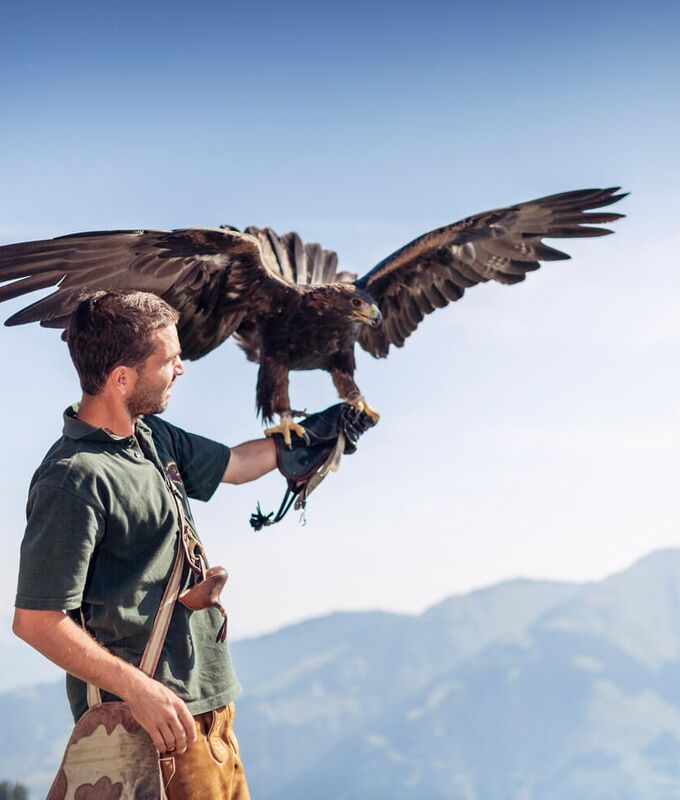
{"type": "Point", "coordinates": [359, 306]}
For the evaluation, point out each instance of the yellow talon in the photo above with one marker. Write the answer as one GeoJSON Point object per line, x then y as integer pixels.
{"type": "Point", "coordinates": [361, 405]}
{"type": "Point", "coordinates": [285, 426]}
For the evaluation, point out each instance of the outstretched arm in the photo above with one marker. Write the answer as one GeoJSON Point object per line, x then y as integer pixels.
{"type": "Point", "coordinates": [250, 460]}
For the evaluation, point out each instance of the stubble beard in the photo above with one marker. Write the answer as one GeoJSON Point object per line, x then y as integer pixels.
{"type": "Point", "coordinates": [147, 400]}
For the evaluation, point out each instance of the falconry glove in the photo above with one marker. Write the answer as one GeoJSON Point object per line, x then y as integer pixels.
{"type": "Point", "coordinates": [328, 435]}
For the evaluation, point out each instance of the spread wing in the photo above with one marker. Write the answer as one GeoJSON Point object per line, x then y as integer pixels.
{"type": "Point", "coordinates": [501, 245]}
{"type": "Point", "coordinates": [216, 278]}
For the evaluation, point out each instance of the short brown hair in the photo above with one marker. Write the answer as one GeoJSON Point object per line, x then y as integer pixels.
{"type": "Point", "coordinates": [109, 329]}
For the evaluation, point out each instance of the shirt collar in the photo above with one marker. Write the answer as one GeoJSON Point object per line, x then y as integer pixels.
{"type": "Point", "coordinates": [75, 428]}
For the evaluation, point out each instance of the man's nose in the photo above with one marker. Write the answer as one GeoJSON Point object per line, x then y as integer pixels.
{"type": "Point", "coordinates": [179, 367]}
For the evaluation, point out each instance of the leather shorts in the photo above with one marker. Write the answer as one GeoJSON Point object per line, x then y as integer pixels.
{"type": "Point", "coordinates": [211, 768]}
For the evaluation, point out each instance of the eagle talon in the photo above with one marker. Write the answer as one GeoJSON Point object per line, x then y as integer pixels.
{"type": "Point", "coordinates": [285, 426]}
{"type": "Point", "coordinates": [362, 406]}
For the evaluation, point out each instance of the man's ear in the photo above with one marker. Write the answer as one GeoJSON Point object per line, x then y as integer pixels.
{"type": "Point", "coordinates": [122, 380]}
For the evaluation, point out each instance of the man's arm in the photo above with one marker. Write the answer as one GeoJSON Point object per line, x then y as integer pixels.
{"type": "Point", "coordinates": [159, 711]}
{"type": "Point", "coordinates": [250, 460]}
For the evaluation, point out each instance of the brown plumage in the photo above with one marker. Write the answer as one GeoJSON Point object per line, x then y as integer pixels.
{"type": "Point", "coordinates": [283, 300]}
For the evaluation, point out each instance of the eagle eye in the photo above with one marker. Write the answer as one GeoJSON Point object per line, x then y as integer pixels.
{"type": "Point", "coordinates": [356, 302]}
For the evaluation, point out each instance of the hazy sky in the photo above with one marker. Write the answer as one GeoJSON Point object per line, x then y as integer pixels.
{"type": "Point", "coordinates": [527, 430]}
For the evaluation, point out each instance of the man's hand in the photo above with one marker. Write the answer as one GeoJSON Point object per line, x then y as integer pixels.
{"type": "Point", "coordinates": [305, 456]}
{"type": "Point", "coordinates": [162, 714]}
{"type": "Point", "coordinates": [324, 427]}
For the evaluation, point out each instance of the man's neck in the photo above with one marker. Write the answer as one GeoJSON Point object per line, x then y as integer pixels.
{"type": "Point", "coordinates": [101, 411]}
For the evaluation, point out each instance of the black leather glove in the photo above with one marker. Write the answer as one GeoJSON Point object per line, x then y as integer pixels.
{"type": "Point", "coordinates": [303, 458]}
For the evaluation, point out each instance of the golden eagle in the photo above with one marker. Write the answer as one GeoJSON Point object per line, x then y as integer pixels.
{"type": "Point", "coordinates": [284, 300]}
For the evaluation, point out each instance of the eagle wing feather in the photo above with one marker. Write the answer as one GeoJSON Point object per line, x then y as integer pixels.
{"type": "Point", "coordinates": [216, 278]}
{"type": "Point", "coordinates": [501, 245]}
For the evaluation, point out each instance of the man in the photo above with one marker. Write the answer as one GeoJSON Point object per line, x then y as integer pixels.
{"type": "Point", "coordinates": [102, 534]}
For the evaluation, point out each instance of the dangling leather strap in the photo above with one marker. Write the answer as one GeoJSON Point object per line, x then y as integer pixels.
{"type": "Point", "coordinates": [298, 491]}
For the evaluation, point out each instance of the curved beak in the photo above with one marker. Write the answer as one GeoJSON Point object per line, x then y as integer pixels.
{"type": "Point", "coordinates": [372, 317]}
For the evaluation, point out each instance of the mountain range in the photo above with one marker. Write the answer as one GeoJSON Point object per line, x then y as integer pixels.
{"type": "Point", "coordinates": [526, 690]}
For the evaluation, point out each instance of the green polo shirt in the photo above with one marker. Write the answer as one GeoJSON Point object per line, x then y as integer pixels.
{"type": "Point", "coordinates": [102, 536]}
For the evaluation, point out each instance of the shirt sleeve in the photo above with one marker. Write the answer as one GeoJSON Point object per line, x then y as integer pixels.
{"type": "Point", "coordinates": [62, 532]}
{"type": "Point", "coordinates": [201, 461]}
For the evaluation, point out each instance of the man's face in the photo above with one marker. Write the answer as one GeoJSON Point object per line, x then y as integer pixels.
{"type": "Point", "coordinates": [156, 376]}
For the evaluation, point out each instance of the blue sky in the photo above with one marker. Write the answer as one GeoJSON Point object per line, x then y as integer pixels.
{"type": "Point", "coordinates": [526, 430]}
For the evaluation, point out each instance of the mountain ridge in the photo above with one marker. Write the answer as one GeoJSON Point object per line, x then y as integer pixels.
{"type": "Point", "coordinates": [528, 690]}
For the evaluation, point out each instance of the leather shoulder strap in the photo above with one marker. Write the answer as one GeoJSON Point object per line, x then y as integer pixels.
{"type": "Point", "coordinates": [161, 623]}
{"type": "Point", "coordinates": [152, 651]}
